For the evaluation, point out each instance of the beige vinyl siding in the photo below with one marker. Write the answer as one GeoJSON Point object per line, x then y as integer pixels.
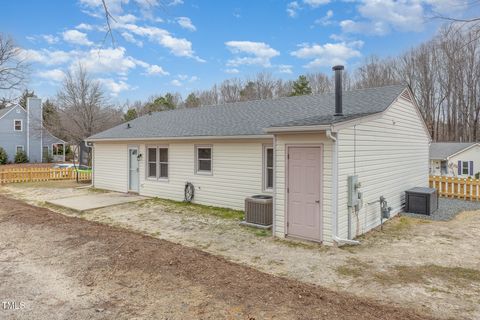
{"type": "Point", "coordinates": [236, 166]}
{"type": "Point", "coordinates": [281, 144]}
{"type": "Point", "coordinates": [110, 166]}
{"type": "Point", "coordinates": [389, 155]}
{"type": "Point", "coordinates": [471, 154]}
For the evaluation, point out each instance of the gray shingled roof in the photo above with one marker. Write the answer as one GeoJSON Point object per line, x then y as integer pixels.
{"type": "Point", "coordinates": [442, 150]}
{"type": "Point", "coordinates": [252, 117]}
{"type": "Point", "coordinates": [5, 110]}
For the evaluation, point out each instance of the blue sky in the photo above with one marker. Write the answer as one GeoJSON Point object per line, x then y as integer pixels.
{"type": "Point", "coordinates": [183, 45]}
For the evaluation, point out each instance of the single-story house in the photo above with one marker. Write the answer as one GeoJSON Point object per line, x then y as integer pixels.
{"type": "Point", "coordinates": [455, 159]}
{"type": "Point", "coordinates": [326, 159]}
{"type": "Point", "coordinates": [23, 130]}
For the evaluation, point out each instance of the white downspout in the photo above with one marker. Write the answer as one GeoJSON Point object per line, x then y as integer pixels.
{"type": "Point", "coordinates": [274, 184]}
{"type": "Point", "coordinates": [336, 238]}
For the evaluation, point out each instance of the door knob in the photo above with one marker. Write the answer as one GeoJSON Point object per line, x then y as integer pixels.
{"type": "Point", "coordinates": [317, 201]}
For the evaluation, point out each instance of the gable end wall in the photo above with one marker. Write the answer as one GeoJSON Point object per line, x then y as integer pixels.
{"type": "Point", "coordinates": [389, 155]}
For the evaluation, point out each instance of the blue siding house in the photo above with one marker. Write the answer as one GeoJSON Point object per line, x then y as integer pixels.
{"type": "Point", "coordinates": [22, 129]}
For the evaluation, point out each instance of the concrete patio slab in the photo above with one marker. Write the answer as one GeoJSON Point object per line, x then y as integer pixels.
{"type": "Point", "coordinates": [95, 201]}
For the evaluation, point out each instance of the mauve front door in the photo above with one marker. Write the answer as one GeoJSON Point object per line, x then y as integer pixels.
{"type": "Point", "coordinates": [303, 192]}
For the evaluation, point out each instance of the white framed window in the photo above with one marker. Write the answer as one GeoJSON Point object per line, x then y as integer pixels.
{"type": "Point", "coordinates": [203, 159]}
{"type": "Point", "coordinates": [58, 149]}
{"type": "Point", "coordinates": [163, 163]}
{"type": "Point", "coordinates": [157, 162]}
{"type": "Point", "coordinates": [18, 125]}
{"type": "Point", "coordinates": [268, 168]}
{"type": "Point", "coordinates": [152, 162]}
{"type": "Point", "coordinates": [19, 148]}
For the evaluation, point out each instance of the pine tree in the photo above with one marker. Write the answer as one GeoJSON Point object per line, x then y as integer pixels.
{"type": "Point", "coordinates": [301, 87]}
{"type": "Point", "coordinates": [25, 95]}
{"type": "Point", "coordinates": [130, 115]}
{"type": "Point", "coordinates": [192, 101]}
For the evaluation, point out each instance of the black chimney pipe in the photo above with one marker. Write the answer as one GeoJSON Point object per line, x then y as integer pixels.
{"type": "Point", "coordinates": [338, 90]}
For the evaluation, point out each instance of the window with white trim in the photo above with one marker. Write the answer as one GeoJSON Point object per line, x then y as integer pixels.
{"type": "Point", "coordinates": [58, 149]}
{"type": "Point", "coordinates": [152, 162]}
{"type": "Point", "coordinates": [17, 125]}
{"type": "Point", "coordinates": [203, 155]}
{"type": "Point", "coordinates": [20, 149]}
{"type": "Point", "coordinates": [157, 162]}
{"type": "Point", "coordinates": [268, 168]}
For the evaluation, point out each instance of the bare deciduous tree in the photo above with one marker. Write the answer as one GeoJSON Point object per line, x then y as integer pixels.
{"type": "Point", "coordinates": [83, 106]}
{"type": "Point", "coordinates": [13, 67]}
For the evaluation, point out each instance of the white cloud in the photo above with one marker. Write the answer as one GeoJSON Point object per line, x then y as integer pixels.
{"type": "Point", "coordinates": [130, 38]}
{"type": "Point", "coordinates": [108, 61]}
{"type": "Point", "coordinates": [326, 19]}
{"type": "Point", "coordinates": [127, 18]}
{"type": "Point", "coordinates": [315, 3]}
{"type": "Point", "coordinates": [448, 6]}
{"type": "Point", "coordinates": [184, 77]}
{"type": "Point", "coordinates": [114, 6]}
{"type": "Point", "coordinates": [76, 37]}
{"type": "Point", "coordinates": [156, 70]}
{"type": "Point", "coordinates": [176, 83]}
{"type": "Point", "coordinates": [381, 17]}
{"type": "Point", "coordinates": [186, 23]}
{"type": "Point", "coordinates": [47, 57]}
{"type": "Point", "coordinates": [50, 39]}
{"type": "Point", "coordinates": [328, 54]}
{"type": "Point", "coordinates": [96, 61]}
{"type": "Point", "coordinates": [285, 68]}
{"type": "Point", "coordinates": [53, 75]}
{"type": "Point", "coordinates": [115, 87]}
{"type": "Point", "coordinates": [232, 71]}
{"type": "Point", "coordinates": [84, 26]}
{"type": "Point", "coordinates": [175, 2]}
{"type": "Point", "coordinates": [257, 53]}
{"type": "Point", "coordinates": [292, 8]}
{"type": "Point", "coordinates": [178, 46]}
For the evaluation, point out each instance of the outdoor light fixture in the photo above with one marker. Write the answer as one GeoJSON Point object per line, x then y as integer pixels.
{"type": "Point", "coordinates": [139, 157]}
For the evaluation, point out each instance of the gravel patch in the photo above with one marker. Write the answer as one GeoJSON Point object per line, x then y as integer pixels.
{"type": "Point", "coordinates": [447, 209]}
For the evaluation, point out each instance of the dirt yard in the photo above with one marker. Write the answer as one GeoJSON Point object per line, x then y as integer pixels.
{"type": "Point", "coordinates": [432, 267]}
{"type": "Point", "coordinates": [59, 267]}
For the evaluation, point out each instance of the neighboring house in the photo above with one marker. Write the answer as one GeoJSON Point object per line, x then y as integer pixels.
{"type": "Point", "coordinates": [455, 159]}
{"type": "Point", "coordinates": [22, 129]}
{"type": "Point", "coordinates": [295, 149]}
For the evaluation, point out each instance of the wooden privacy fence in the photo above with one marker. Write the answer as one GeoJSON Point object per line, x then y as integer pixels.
{"type": "Point", "coordinates": [41, 174]}
{"type": "Point", "coordinates": [453, 187]}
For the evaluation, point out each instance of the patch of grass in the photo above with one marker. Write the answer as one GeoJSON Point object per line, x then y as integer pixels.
{"type": "Point", "coordinates": [354, 268]}
{"type": "Point", "coordinates": [294, 243]}
{"type": "Point", "coordinates": [182, 207]}
{"type": "Point", "coordinates": [97, 190]}
{"type": "Point", "coordinates": [398, 227]}
{"type": "Point", "coordinates": [258, 232]}
{"type": "Point", "coordinates": [263, 233]}
{"type": "Point", "coordinates": [155, 234]}
{"type": "Point", "coordinates": [457, 276]}
{"type": "Point", "coordinates": [49, 184]}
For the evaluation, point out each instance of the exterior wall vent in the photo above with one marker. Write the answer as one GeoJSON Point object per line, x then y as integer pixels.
{"type": "Point", "coordinates": [406, 95]}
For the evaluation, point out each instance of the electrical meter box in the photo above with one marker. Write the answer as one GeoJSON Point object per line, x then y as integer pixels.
{"type": "Point", "coordinates": [354, 194]}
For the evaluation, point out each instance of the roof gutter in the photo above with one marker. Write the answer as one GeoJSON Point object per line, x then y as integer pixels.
{"type": "Point", "coordinates": [262, 136]}
{"type": "Point", "coordinates": [334, 137]}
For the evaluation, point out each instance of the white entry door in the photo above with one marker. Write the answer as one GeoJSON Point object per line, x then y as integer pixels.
{"type": "Point", "coordinates": [133, 172]}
